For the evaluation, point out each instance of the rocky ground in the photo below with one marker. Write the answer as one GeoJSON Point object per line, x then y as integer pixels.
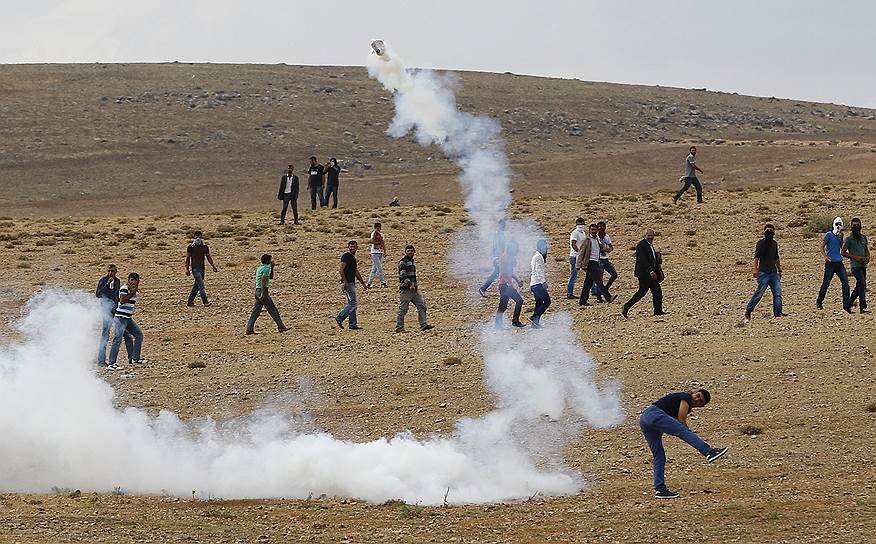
{"type": "Point", "coordinates": [793, 398]}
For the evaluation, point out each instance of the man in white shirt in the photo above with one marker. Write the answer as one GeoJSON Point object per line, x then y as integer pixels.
{"type": "Point", "coordinates": [288, 193]}
{"type": "Point", "coordinates": [538, 283]}
{"type": "Point", "coordinates": [575, 238]}
{"type": "Point", "coordinates": [588, 259]}
{"type": "Point", "coordinates": [605, 265]}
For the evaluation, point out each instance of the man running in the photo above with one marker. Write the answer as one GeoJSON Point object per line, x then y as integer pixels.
{"type": "Point", "coordinates": [288, 193]}
{"type": "Point", "coordinates": [669, 415]}
{"type": "Point", "coordinates": [538, 283]}
{"type": "Point", "coordinates": [409, 292]}
{"type": "Point", "coordinates": [855, 249]}
{"type": "Point", "coordinates": [690, 177]}
{"type": "Point", "coordinates": [496, 250]}
{"type": "Point", "coordinates": [507, 263]}
{"type": "Point", "coordinates": [349, 271]}
{"type": "Point", "coordinates": [831, 250]}
{"type": "Point", "coordinates": [315, 182]}
{"type": "Point", "coordinates": [196, 253]}
{"type": "Point", "coordinates": [264, 275]}
{"type": "Point", "coordinates": [576, 237]}
{"type": "Point", "coordinates": [767, 271]}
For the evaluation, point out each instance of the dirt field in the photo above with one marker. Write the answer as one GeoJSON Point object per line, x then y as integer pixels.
{"type": "Point", "coordinates": [805, 381]}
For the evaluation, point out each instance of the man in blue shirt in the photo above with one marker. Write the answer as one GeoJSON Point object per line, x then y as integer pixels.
{"type": "Point", "coordinates": [831, 245]}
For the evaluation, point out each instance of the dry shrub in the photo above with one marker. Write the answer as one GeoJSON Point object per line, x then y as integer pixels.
{"type": "Point", "coordinates": [751, 430]}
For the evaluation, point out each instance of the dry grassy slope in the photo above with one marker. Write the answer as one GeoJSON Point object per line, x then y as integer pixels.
{"type": "Point", "coordinates": [805, 380]}
{"type": "Point", "coordinates": [128, 139]}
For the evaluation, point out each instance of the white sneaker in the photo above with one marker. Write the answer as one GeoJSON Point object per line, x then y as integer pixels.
{"type": "Point", "coordinates": [113, 367]}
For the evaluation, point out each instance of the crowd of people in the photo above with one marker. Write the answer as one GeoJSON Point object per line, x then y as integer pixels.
{"type": "Point", "coordinates": [590, 253]}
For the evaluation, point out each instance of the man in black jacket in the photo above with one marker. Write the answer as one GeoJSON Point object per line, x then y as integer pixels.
{"type": "Point", "coordinates": [315, 181]}
{"type": "Point", "coordinates": [649, 274]}
{"type": "Point", "coordinates": [107, 292]}
{"type": "Point", "coordinates": [288, 193]}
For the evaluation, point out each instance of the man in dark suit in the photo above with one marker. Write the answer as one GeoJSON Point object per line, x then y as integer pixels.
{"type": "Point", "coordinates": [649, 274]}
{"type": "Point", "coordinates": [288, 193]}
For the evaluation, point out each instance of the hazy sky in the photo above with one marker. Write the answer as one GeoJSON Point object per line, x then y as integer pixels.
{"type": "Point", "coordinates": [815, 50]}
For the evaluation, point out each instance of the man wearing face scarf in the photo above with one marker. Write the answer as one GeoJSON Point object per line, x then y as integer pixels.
{"type": "Point", "coordinates": [855, 248]}
{"type": "Point", "coordinates": [538, 283]}
{"type": "Point", "coordinates": [767, 271]}
{"type": "Point", "coordinates": [831, 249]}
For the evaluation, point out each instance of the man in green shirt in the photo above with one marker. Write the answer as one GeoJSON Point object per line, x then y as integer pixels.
{"type": "Point", "coordinates": [264, 274]}
{"type": "Point", "coordinates": [855, 249]}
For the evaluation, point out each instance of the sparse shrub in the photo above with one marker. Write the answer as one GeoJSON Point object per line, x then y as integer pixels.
{"type": "Point", "coordinates": [691, 243]}
{"type": "Point", "coordinates": [689, 331]}
{"type": "Point", "coordinates": [817, 224]}
{"type": "Point", "coordinates": [871, 407]}
{"type": "Point", "coordinates": [751, 430]}
{"type": "Point", "coordinates": [690, 232]}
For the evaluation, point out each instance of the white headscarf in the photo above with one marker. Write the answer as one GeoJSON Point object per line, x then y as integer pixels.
{"type": "Point", "coordinates": [838, 225]}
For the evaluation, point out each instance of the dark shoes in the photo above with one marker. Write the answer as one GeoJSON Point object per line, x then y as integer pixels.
{"type": "Point", "coordinates": [625, 311]}
{"type": "Point", "coordinates": [355, 328]}
{"type": "Point", "coordinates": [282, 329]}
{"type": "Point", "coordinates": [783, 314]}
{"type": "Point", "coordinates": [584, 304]}
{"type": "Point", "coordinates": [818, 306]}
{"type": "Point", "coordinates": [665, 494]}
{"type": "Point", "coordinates": [611, 298]}
{"type": "Point", "coordinates": [339, 322]}
{"type": "Point", "coordinates": [661, 312]}
{"type": "Point", "coordinates": [518, 324]}
{"type": "Point", "coordinates": [482, 292]}
{"type": "Point", "coordinates": [427, 327]}
{"type": "Point", "coordinates": [716, 454]}
{"type": "Point", "coordinates": [570, 296]}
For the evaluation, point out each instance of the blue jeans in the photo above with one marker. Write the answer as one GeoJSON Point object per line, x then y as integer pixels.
{"type": "Point", "coordinates": [198, 286]}
{"type": "Point", "coordinates": [860, 273]}
{"type": "Point", "coordinates": [316, 197]}
{"type": "Point", "coordinates": [542, 301]}
{"type": "Point", "coordinates": [349, 310]}
{"type": "Point", "coordinates": [329, 191]}
{"type": "Point", "coordinates": [573, 276]}
{"type": "Point", "coordinates": [654, 422]}
{"type": "Point", "coordinates": [506, 293]}
{"type": "Point", "coordinates": [492, 277]}
{"type": "Point", "coordinates": [830, 269]}
{"type": "Point", "coordinates": [123, 326]}
{"type": "Point", "coordinates": [764, 280]}
{"type": "Point", "coordinates": [109, 308]}
{"type": "Point", "coordinates": [376, 269]}
{"type": "Point", "coordinates": [604, 266]}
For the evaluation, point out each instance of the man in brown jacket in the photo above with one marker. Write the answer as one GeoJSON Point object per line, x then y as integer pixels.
{"type": "Point", "coordinates": [588, 259]}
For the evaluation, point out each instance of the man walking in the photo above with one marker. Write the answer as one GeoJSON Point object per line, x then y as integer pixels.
{"type": "Point", "coordinates": [333, 172]}
{"type": "Point", "coordinates": [605, 265]}
{"type": "Point", "coordinates": [690, 177]}
{"type": "Point", "coordinates": [264, 275]}
{"type": "Point", "coordinates": [107, 292]}
{"type": "Point", "coordinates": [768, 271]}
{"type": "Point", "coordinates": [588, 260]}
{"type": "Point", "coordinates": [669, 415]}
{"type": "Point", "coordinates": [831, 250]}
{"type": "Point", "coordinates": [496, 249]}
{"type": "Point", "coordinates": [349, 272]}
{"type": "Point", "coordinates": [507, 264]}
{"type": "Point", "coordinates": [124, 323]}
{"type": "Point", "coordinates": [855, 248]}
{"type": "Point", "coordinates": [316, 174]}
{"type": "Point", "coordinates": [288, 193]}
{"type": "Point", "coordinates": [576, 237]}
{"type": "Point", "coordinates": [196, 253]}
{"type": "Point", "coordinates": [378, 250]}
{"type": "Point", "coordinates": [409, 292]}
{"type": "Point", "coordinates": [649, 273]}
{"type": "Point", "coordinates": [538, 283]}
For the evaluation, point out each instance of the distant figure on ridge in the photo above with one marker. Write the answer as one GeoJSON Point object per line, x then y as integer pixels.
{"type": "Point", "coordinates": [409, 292]}
{"type": "Point", "coordinates": [690, 177]}
{"type": "Point", "coordinates": [333, 173]}
{"type": "Point", "coordinates": [669, 416]}
{"type": "Point", "coordinates": [196, 252]}
{"type": "Point", "coordinates": [288, 193]}
{"type": "Point", "coordinates": [315, 181]}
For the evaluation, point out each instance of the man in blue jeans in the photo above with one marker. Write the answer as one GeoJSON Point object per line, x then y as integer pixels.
{"type": "Point", "coordinates": [856, 249]}
{"type": "Point", "coordinates": [831, 249]}
{"type": "Point", "coordinates": [605, 265]}
{"type": "Point", "coordinates": [576, 237]}
{"type": "Point", "coordinates": [767, 271]}
{"type": "Point", "coordinates": [196, 253]}
{"type": "Point", "coordinates": [349, 270]}
{"type": "Point", "coordinates": [669, 415]}
{"type": "Point", "coordinates": [107, 292]}
{"type": "Point", "coordinates": [124, 323]}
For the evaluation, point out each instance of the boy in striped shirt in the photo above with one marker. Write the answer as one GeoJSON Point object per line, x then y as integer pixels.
{"type": "Point", "coordinates": [124, 322]}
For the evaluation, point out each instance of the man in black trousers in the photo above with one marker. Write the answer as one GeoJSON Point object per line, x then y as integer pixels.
{"type": "Point", "coordinates": [288, 193]}
{"type": "Point", "coordinates": [649, 274]}
{"type": "Point", "coordinates": [588, 260]}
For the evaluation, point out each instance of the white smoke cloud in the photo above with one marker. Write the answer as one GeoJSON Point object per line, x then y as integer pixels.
{"type": "Point", "coordinates": [60, 429]}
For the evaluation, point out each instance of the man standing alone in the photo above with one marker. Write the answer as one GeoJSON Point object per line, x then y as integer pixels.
{"type": "Point", "coordinates": [288, 193]}
{"type": "Point", "coordinates": [409, 292]}
{"type": "Point", "coordinates": [264, 275]}
{"type": "Point", "coordinates": [576, 237]}
{"type": "Point", "coordinates": [831, 250]}
{"type": "Point", "coordinates": [690, 177]}
{"type": "Point", "coordinates": [196, 253]}
{"type": "Point", "coordinates": [648, 273]}
{"type": "Point", "coordinates": [669, 415]}
{"type": "Point", "coordinates": [316, 174]}
{"type": "Point", "coordinates": [349, 271]}
{"type": "Point", "coordinates": [856, 250]}
{"type": "Point", "coordinates": [538, 283]}
{"type": "Point", "coordinates": [768, 271]}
